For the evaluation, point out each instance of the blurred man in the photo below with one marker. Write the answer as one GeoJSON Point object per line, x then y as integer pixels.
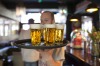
{"type": "Point", "coordinates": [29, 56]}
{"type": "Point", "coordinates": [51, 57]}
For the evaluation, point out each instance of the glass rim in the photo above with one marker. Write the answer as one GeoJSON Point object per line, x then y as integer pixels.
{"type": "Point", "coordinates": [49, 25]}
{"type": "Point", "coordinates": [35, 26]}
{"type": "Point", "coordinates": [60, 26]}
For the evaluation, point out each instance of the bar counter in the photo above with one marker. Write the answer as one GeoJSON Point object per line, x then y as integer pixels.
{"type": "Point", "coordinates": [79, 57]}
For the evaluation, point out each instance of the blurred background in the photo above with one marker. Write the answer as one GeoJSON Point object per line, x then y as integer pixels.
{"type": "Point", "coordinates": [14, 15]}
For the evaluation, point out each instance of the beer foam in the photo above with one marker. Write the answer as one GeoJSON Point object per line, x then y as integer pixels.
{"type": "Point", "coordinates": [42, 26]}
{"type": "Point", "coordinates": [49, 25]}
{"type": "Point", "coordinates": [35, 26]}
{"type": "Point", "coordinates": [60, 26]}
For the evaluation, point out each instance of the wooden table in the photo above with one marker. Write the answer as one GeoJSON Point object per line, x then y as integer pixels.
{"type": "Point", "coordinates": [79, 57]}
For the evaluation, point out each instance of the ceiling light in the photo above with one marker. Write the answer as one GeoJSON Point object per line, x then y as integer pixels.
{"type": "Point", "coordinates": [74, 20]}
{"type": "Point", "coordinates": [92, 8]}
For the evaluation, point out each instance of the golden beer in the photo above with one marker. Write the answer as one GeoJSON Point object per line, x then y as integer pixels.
{"type": "Point", "coordinates": [49, 34]}
{"type": "Point", "coordinates": [43, 33]}
{"type": "Point", "coordinates": [35, 34]}
{"type": "Point", "coordinates": [59, 33]}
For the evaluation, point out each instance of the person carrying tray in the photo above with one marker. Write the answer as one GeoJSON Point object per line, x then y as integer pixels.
{"type": "Point", "coordinates": [50, 57]}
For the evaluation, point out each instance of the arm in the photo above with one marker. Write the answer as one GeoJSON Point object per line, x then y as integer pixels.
{"type": "Point", "coordinates": [54, 63]}
{"type": "Point", "coordinates": [50, 60]}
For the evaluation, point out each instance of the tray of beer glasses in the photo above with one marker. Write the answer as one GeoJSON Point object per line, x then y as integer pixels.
{"type": "Point", "coordinates": [26, 43]}
{"type": "Point", "coordinates": [52, 37]}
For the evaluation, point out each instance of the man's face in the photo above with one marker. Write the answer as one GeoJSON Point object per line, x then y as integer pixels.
{"type": "Point", "coordinates": [46, 18]}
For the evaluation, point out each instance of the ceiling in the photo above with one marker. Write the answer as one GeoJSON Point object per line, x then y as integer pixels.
{"type": "Point", "coordinates": [30, 4]}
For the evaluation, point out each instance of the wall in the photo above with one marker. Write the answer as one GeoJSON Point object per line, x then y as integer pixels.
{"type": "Point", "coordinates": [7, 13]}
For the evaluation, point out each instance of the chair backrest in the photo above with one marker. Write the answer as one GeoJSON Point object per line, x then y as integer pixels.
{"type": "Point", "coordinates": [1, 62]}
{"type": "Point", "coordinates": [17, 59]}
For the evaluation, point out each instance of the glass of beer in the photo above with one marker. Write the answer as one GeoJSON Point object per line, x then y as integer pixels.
{"type": "Point", "coordinates": [49, 34]}
{"type": "Point", "coordinates": [43, 33]}
{"type": "Point", "coordinates": [59, 33]}
{"type": "Point", "coordinates": [35, 33]}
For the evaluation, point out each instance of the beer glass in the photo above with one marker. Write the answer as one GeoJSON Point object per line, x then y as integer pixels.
{"type": "Point", "coordinates": [49, 34]}
{"type": "Point", "coordinates": [43, 32]}
{"type": "Point", "coordinates": [35, 33]}
{"type": "Point", "coordinates": [59, 33]}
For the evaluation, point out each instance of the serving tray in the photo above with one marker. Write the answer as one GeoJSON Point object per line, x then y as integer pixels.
{"type": "Point", "coordinates": [27, 44]}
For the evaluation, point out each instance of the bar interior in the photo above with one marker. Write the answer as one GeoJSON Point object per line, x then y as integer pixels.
{"type": "Point", "coordinates": [78, 30]}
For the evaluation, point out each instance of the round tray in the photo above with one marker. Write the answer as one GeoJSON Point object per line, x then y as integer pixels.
{"type": "Point", "coordinates": [29, 46]}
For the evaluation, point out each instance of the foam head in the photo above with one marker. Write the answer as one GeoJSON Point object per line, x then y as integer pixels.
{"type": "Point", "coordinates": [49, 25]}
{"type": "Point", "coordinates": [60, 26]}
{"type": "Point", "coordinates": [35, 26]}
